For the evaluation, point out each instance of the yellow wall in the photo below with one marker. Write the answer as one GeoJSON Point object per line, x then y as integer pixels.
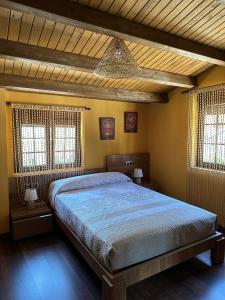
{"type": "Point", "coordinates": [168, 124]}
{"type": "Point", "coordinates": [162, 131]}
{"type": "Point", "coordinates": [95, 150]}
{"type": "Point", "coordinates": [3, 167]}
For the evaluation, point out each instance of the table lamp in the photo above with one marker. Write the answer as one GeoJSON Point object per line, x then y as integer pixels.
{"type": "Point", "coordinates": [138, 174]}
{"type": "Point", "coordinates": [30, 197]}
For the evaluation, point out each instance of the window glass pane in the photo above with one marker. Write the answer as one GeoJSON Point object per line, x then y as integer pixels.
{"type": "Point", "coordinates": [220, 154]}
{"type": "Point", "coordinates": [210, 134]}
{"type": "Point", "coordinates": [27, 131]}
{"type": "Point", "coordinates": [59, 132]}
{"type": "Point", "coordinates": [209, 155]}
{"type": "Point", "coordinates": [40, 145]}
{"type": "Point", "coordinates": [59, 144]}
{"type": "Point", "coordinates": [40, 159]}
{"type": "Point", "coordinates": [65, 144]}
{"type": "Point", "coordinates": [221, 118]}
{"type": "Point", "coordinates": [33, 141]}
{"type": "Point", "coordinates": [69, 144]}
{"type": "Point", "coordinates": [221, 134]}
{"type": "Point", "coordinates": [39, 131]}
{"type": "Point", "coordinates": [28, 160]}
{"type": "Point", "coordinates": [69, 157]}
{"type": "Point", "coordinates": [210, 119]}
{"type": "Point", "coordinates": [27, 145]}
{"type": "Point", "coordinates": [59, 157]}
{"type": "Point", "coordinates": [70, 131]}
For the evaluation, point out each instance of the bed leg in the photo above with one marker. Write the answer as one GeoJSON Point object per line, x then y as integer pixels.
{"type": "Point", "coordinates": [217, 253]}
{"type": "Point", "coordinates": [113, 291]}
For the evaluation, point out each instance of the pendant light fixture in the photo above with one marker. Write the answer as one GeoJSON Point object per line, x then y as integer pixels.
{"type": "Point", "coordinates": [117, 62]}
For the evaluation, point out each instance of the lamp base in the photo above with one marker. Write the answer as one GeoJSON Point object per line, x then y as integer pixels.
{"type": "Point", "coordinates": [138, 180]}
{"type": "Point", "coordinates": [31, 203]}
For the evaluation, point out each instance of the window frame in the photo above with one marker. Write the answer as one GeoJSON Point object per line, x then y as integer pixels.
{"type": "Point", "coordinates": [27, 168]}
{"type": "Point", "coordinates": [68, 165]}
{"type": "Point", "coordinates": [200, 141]}
{"type": "Point", "coordinates": [49, 132]}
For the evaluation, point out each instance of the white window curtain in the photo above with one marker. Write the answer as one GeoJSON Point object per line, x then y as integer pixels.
{"type": "Point", "coordinates": [206, 150]}
{"type": "Point", "coordinates": [47, 144]}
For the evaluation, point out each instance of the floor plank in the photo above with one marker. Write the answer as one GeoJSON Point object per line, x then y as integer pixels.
{"type": "Point", "coordinates": [48, 267]}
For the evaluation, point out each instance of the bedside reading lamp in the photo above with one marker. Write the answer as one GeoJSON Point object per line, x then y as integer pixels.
{"type": "Point", "coordinates": [138, 174]}
{"type": "Point", "coordinates": [30, 197]}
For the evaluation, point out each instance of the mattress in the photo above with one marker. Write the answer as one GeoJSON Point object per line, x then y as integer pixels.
{"type": "Point", "coordinates": [124, 224]}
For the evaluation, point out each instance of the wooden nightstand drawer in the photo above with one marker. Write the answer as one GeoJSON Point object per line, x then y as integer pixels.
{"type": "Point", "coordinates": [32, 226]}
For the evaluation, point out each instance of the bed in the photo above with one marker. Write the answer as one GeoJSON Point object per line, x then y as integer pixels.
{"type": "Point", "coordinates": [127, 233]}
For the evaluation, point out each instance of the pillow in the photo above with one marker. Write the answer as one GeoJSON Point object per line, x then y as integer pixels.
{"type": "Point", "coordinates": [85, 181]}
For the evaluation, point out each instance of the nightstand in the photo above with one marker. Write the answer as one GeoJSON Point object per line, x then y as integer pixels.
{"type": "Point", "coordinates": [27, 222]}
{"type": "Point", "coordinates": [150, 186]}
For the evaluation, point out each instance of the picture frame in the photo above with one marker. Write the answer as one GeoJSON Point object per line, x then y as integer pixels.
{"type": "Point", "coordinates": [130, 122]}
{"type": "Point", "coordinates": [107, 128]}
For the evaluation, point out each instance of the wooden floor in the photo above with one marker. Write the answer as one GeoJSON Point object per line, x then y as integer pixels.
{"type": "Point", "coordinates": [48, 268]}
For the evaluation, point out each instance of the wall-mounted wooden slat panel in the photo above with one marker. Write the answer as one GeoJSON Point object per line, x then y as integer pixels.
{"type": "Point", "coordinates": [46, 33]}
{"type": "Point", "coordinates": [77, 15]}
{"type": "Point", "coordinates": [77, 33]}
{"type": "Point", "coordinates": [25, 28]}
{"type": "Point", "coordinates": [71, 39]}
{"type": "Point", "coordinates": [48, 72]}
{"type": "Point", "coordinates": [116, 6]}
{"type": "Point", "coordinates": [4, 22]}
{"type": "Point", "coordinates": [60, 60]}
{"type": "Point", "coordinates": [94, 3]}
{"type": "Point", "coordinates": [17, 67]}
{"type": "Point", "coordinates": [41, 71]}
{"type": "Point", "coordinates": [196, 22]}
{"type": "Point", "coordinates": [14, 25]}
{"type": "Point", "coordinates": [62, 75]}
{"type": "Point", "coordinates": [25, 69]}
{"type": "Point", "coordinates": [56, 35]}
{"type": "Point", "coordinates": [36, 30]}
{"type": "Point", "coordinates": [185, 18]}
{"type": "Point", "coordinates": [33, 70]}
{"type": "Point", "coordinates": [203, 21]}
{"type": "Point", "coordinates": [9, 66]}
{"type": "Point", "coordinates": [65, 37]}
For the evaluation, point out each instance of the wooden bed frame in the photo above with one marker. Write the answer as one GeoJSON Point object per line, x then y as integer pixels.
{"type": "Point", "coordinates": [114, 284]}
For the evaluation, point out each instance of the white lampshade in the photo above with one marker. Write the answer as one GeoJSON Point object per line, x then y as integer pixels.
{"type": "Point", "coordinates": [30, 195]}
{"type": "Point", "coordinates": [138, 173]}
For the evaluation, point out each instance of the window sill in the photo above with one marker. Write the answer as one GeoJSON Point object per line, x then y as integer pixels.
{"type": "Point", "coordinates": [45, 172]}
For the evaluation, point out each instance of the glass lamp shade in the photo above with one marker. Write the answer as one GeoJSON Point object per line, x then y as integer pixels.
{"type": "Point", "coordinates": [30, 195]}
{"type": "Point", "coordinates": [117, 62]}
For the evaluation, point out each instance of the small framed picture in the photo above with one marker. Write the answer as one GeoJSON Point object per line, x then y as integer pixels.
{"type": "Point", "coordinates": [107, 128]}
{"type": "Point", "coordinates": [130, 121]}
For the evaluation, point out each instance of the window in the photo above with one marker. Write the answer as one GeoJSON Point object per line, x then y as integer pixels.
{"type": "Point", "coordinates": [64, 152]}
{"type": "Point", "coordinates": [33, 139]}
{"type": "Point", "coordinates": [211, 138]}
{"type": "Point", "coordinates": [46, 139]}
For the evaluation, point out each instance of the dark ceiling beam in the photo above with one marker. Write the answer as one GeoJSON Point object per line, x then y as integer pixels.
{"type": "Point", "coordinates": [21, 83]}
{"type": "Point", "coordinates": [91, 19]}
{"type": "Point", "coordinates": [19, 51]}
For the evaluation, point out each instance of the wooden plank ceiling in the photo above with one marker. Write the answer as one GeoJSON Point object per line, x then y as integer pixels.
{"type": "Point", "coordinates": [200, 21]}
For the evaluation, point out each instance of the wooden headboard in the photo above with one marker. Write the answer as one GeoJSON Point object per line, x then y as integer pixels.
{"type": "Point", "coordinates": [125, 163]}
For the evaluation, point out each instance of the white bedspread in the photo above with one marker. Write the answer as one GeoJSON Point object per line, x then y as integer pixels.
{"type": "Point", "coordinates": [123, 223]}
